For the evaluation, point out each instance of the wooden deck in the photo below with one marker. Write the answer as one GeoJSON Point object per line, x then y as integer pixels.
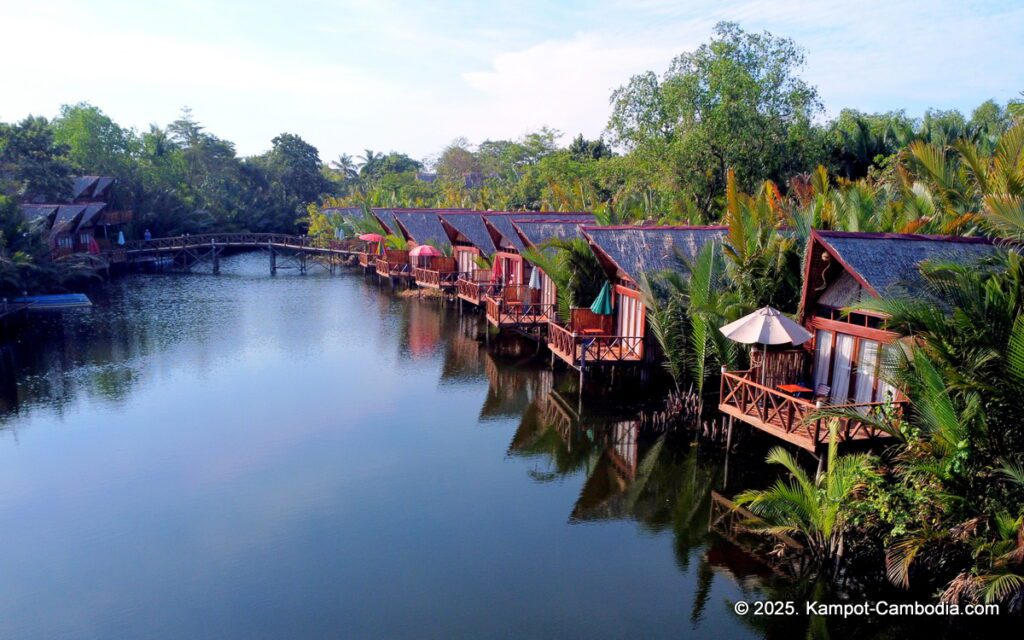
{"type": "Point", "coordinates": [393, 269]}
{"type": "Point", "coordinates": [788, 417]}
{"type": "Point", "coordinates": [435, 279]}
{"type": "Point", "coordinates": [473, 287]}
{"type": "Point", "coordinates": [579, 350]}
{"type": "Point", "coordinates": [515, 306]}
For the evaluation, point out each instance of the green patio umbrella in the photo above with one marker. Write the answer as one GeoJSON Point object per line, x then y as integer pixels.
{"type": "Point", "coordinates": [603, 302]}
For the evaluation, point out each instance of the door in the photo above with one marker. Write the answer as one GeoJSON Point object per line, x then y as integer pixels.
{"type": "Point", "coordinates": [822, 360]}
{"type": "Point", "coordinates": [842, 365]}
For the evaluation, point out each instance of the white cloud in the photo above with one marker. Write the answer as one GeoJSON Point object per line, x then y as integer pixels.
{"type": "Point", "coordinates": [563, 84]}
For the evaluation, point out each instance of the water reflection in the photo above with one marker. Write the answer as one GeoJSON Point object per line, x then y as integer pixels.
{"type": "Point", "coordinates": [196, 447]}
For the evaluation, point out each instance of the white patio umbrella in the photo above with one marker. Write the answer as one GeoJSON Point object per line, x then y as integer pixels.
{"type": "Point", "coordinates": [766, 326]}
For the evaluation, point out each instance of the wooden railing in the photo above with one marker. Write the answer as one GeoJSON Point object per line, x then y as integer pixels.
{"type": "Point", "coordinates": [788, 416]}
{"type": "Point", "coordinates": [581, 349]}
{"type": "Point", "coordinates": [242, 240]}
{"type": "Point", "coordinates": [434, 278]}
{"type": "Point", "coordinates": [517, 312]}
{"type": "Point", "coordinates": [473, 287]}
{"type": "Point", "coordinates": [367, 259]}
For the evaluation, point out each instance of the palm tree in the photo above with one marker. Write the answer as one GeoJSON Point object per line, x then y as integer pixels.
{"type": "Point", "coordinates": [346, 166]}
{"type": "Point", "coordinates": [369, 162]}
{"type": "Point", "coordinates": [686, 312]}
{"type": "Point", "coordinates": [815, 510]}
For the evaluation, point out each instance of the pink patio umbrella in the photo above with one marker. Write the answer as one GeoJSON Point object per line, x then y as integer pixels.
{"type": "Point", "coordinates": [372, 237]}
{"type": "Point", "coordinates": [425, 251]}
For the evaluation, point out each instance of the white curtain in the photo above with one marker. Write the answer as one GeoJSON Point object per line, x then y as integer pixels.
{"type": "Point", "coordinates": [843, 360]}
{"type": "Point", "coordinates": [885, 390]}
{"type": "Point", "coordinates": [822, 357]}
{"type": "Point", "coordinates": [867, 364]}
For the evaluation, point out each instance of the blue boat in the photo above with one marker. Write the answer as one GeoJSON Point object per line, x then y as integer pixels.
{"type": "Point", "coordinates": [56, 301]}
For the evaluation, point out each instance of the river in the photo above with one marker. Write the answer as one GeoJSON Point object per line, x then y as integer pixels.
{"type": "Point", "coordinates": [240, 456]}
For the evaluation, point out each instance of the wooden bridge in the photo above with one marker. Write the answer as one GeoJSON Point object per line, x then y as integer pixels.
{"type": "Point", "coordinates": [186, 251]}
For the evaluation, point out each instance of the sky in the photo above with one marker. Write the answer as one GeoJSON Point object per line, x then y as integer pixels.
{"type": "Point", "coordinates": [349, 75]}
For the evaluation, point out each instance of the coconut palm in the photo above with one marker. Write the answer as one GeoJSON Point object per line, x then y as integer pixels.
{"type": "Point", "coordinates": [346, 166]}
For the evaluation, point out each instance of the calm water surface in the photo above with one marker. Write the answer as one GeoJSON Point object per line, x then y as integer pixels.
{"type": "Point", "coordinates": [252, 457]}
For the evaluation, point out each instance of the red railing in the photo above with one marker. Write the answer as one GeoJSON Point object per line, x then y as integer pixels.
{"type": "Point", "coordinates": [789, 416]}
{"type": "Point", "coordinates": [580, 349]}
{"type": "Point", "coordinates": [435, 279]}
{"type": "Point", "coordinates": [518, 305]}
{"type": "Point", "coordinates": [473, 287]}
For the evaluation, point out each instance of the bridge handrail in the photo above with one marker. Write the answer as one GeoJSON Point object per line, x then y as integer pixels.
{"type": "Point", "coordinates": [237, 239]}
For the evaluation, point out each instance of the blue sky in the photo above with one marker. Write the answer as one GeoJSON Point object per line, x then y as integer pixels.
{"type": "Point", "coordinates": [412, 76]}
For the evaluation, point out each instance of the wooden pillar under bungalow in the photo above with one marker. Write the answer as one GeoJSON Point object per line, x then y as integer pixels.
{"type": "Point", "coordinates": [841, 364]}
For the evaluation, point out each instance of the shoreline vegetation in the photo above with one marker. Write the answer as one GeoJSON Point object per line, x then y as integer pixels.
{"type": "Point", "coordinates": [728, 135]}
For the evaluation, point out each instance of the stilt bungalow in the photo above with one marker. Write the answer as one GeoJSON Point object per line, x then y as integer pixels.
{"type": "Point", "coordinates": [627, 253]}
{"type": "Point", "coordinates": [839, 366]}
{"type": "Point", "coordinates": [471, 240]}
{"type": "Point", "coordinates": [422, 228]}
{"type": "Point", "coordinates": [515, 303]}
{"type": "Point", "coordinates": [390, 263]}
{"type": "Point", "coordinates": [89, 224]}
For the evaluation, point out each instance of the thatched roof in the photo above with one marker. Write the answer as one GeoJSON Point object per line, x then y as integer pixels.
{"type": "Point", "coordinates": [91, 215]}
{"type": "Point", "coordinates": [888, 263]}
{"type": "Point", "coordinates": [101, 187]}
{"type": "Point", "coordinates": [345, 212]}
{"type": "Point", "coordinates": [508, 237]}
{"type": "Point", "coordinates": [422, 227]}
{"type": "Point", "coordinates": [538, 231]}
{"type": "Point", "coordinates": [91, 187]}
{"type": "Point", "coordinates": [83, 185]}
{"type": "Point", "coordinates": [387, 218]}
{"type": "Point", "coordinates": [471, 228]}
{"type": "Point", "coordinates": [631, 252]}
{"type": "Point", "coordinates": [39, 214]}
{"type": "Point", "coordinates": [67, 217]}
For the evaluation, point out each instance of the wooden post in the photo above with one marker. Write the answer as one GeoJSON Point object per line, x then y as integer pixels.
{"type": "Point", "coordinates": [728, 435]}
{"type": "Point", "coordinates": [273, 259]}
{"type": "Point", "coordinates": [216, 258]}
{"type": "Point", "coordinates": [821, 466]}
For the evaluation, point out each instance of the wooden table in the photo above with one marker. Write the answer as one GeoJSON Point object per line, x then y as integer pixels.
{"type": "Point", "coordinates": [793, 389]}
{"type": "Point", "coordinates": [592, 332]}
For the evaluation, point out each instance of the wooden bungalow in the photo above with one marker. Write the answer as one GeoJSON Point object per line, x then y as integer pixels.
{"type": "Point", "coordinates": [470, 240]}
{"type": "Point", "coordinates": [86, 224]}
{"type": "Point", "coordinates": [627, 253]}
{"type": "Point", "coordinates": [532, 306]}
{"type": "Point", "coordinates": [513, 303]}
{"type": "Point", "coordinates": [424, 228]}
{"type": "Point", "coordinates": [839, 367]}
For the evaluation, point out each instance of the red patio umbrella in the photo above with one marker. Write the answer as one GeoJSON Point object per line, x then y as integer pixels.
{"type": "Point", "coordinates": [424, 251]}
{"type": "Point", "coordinates": [372, 237]}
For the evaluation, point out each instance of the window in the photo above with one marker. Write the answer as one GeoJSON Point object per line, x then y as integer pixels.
{"type": "Point", "coordinates": [846, 369]}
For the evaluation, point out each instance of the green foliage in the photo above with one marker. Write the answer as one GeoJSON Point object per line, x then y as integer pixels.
{"type": "Point", "coordinates": [817, 511]}
{"type": "Point", "coordinates": [571, 265]}
{"type": "Point", "coordinates": [32, 163]}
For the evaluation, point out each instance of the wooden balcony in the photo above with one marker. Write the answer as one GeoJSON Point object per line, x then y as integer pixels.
{"type": "Point", "coordinates": [393, 264]}
{"type": "Point", "coordinates": [437, 273]}
{"type": "Point", "coordinates": [473, 287]}
{"type": "Point", "coordinates": [368, 260]}
{"type": "Point", "coordinates": [788, 417]}
{"type": "Point", "coordinates": [588, 339]}
{"type": "Point", "coordinates": [518, 305]}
